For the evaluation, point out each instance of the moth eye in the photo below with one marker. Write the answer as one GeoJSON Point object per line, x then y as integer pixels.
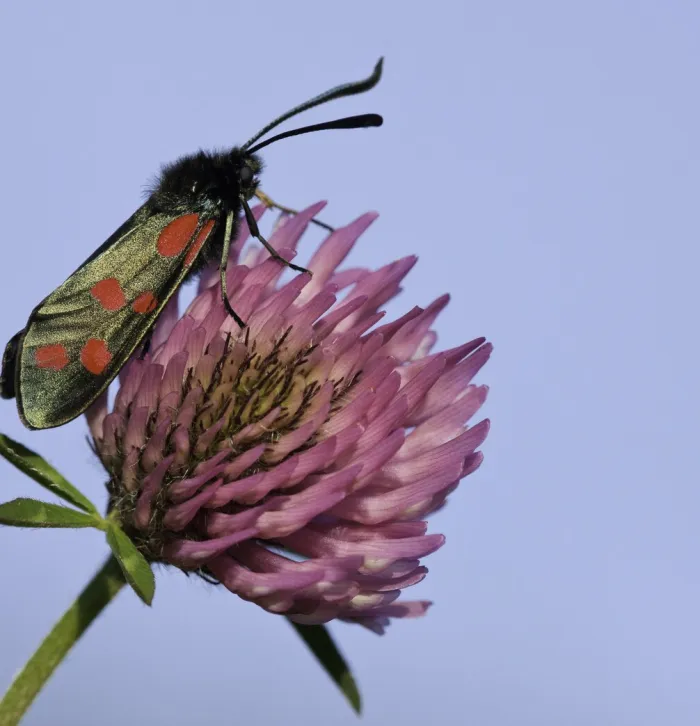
{"type": "Point", "coordinates": [246, 174]}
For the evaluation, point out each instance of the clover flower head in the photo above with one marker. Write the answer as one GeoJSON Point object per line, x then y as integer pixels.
{"type": "Point", "coordinates": [295, 461]}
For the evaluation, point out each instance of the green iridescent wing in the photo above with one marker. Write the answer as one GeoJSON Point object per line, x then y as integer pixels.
{"type": "Point", "coordinates": [81, 335]}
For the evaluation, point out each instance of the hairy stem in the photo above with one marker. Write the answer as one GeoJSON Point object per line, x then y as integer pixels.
{"type": "Point", "coordinates": [75, 621]}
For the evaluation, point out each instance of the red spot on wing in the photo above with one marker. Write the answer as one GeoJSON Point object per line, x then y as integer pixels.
{"type": "Point", "coordinates": [146, 302]}
{"type": "Point", "coordinates": [95, 355]}
{"type": "Point", "coordinates": [54, 357]}
{"type": "Point", "coordinates": [176, 235]}
{"type": "Point", "coordinates": [193, 251]}
{"type": "Point", "coordinates": [109, 293]}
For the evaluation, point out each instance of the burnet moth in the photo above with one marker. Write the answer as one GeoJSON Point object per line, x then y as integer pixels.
{"type": "Point", "coordinates": [79, 337]}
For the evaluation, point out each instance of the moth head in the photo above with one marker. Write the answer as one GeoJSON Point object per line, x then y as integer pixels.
{"type": "Point", "coordinates": [249, 174]}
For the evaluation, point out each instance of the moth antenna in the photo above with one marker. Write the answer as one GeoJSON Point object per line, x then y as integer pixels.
{"type": "Point", "coordinates": [363, 121]}
{"type": "Point", "coordinates": [347, 89]}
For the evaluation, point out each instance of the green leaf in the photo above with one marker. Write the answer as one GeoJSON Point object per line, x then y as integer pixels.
{"type": "Point", "coordinates": [136, 569]}
{"type": "Point", "coordinates": [42, 472]}
{"type": "Point", "coordinates": [322, 646]}
{"type": "Point", "coordinates": [33, 513]}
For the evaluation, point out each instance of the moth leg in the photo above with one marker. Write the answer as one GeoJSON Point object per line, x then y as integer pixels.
{"type": "Point", "coordinates": [271, 204]}
{"type": "Point", "coordinates": [228, 231]}
{"type": "Point", "coordinates": [255, 231]}
{"type": "Point", "coordinates": [9, 366]}
{"type": "Point", "coordinates": [146, 347]}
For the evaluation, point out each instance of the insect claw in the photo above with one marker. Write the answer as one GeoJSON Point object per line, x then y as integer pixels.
{"type": "Point", "coordinates": [298, 268]}
{"type": "Point", "coordinates": [233, 313]}
{"type": "Point", "coordinates": [286, 263]}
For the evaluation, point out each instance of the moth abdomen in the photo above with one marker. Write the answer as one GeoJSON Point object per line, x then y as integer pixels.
{"type": "Point", "coordinates": [9, 366]}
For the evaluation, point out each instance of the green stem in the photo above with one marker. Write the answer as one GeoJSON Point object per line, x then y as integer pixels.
{"type": "Point", "coordinates": [75, 621]}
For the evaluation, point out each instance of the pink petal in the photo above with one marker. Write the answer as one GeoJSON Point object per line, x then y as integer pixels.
{"type": "Point", "coordinates": [155, 446]}
{"type": "Point", "coordinates": [147, 394]}
{"type": "Point", "coordinates": [129, 385]}
{"type": "Point", "coordinates": [151, 486]}
{"type": "Point", "coordinates": [451, 385]}
{"type": "Point", "coordinates": [445, 425]}
{"type": "Point", "coordinates": [135, 436]}
{"type": "Point", "coordinates": [334, 250]}
{"type": "Point", "coordinates": [378, 555]}
{"type": "Point", "coordinates": [447, 455]}
{"type": "Point", "coordinates": [249, 585]}
{"type": "Point", "coordinates": [190, 554]}
{"type": "Point", "coordinates": [300, 508]}
{"type": "Point", "coordinates": [96, 415]}
{"type": "Point", "coordinates": [180, 515]}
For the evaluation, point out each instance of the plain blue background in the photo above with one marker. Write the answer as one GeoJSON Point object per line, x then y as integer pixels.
{"type": "Point", "coordinates": [543, 160]}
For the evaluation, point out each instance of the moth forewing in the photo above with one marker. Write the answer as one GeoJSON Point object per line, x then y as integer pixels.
{"type": "Point", "coordinates": [80, 336]}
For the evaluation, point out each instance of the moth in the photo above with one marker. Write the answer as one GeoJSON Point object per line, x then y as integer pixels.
{"type": "Point", "coordinates": [79, 337]}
